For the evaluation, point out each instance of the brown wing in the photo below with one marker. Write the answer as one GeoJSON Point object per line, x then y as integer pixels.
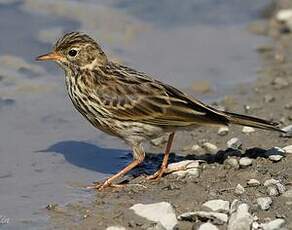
{"type": "Point", "coordinates": [142, 99]}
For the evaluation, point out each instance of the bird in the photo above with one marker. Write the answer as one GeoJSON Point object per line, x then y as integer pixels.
{"type": "Point", "coordinates": [130, 104]}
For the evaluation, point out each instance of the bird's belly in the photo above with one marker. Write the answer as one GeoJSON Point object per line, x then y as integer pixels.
{"type": "Point", "coordinates": [136, 132]}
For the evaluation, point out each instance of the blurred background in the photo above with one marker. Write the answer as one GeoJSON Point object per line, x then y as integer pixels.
{"type": "Point", "coordinates": [46, 148]}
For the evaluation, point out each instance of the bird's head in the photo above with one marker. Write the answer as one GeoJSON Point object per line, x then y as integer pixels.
{"type": "Point", "coordinates": [76, 50]}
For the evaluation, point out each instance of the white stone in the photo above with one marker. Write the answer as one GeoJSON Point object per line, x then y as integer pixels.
{"type": "Point", "coordinates": [281, 188]}
{"type": "Point", "coordinates": [253, 182]}
{"type": "Point", "coordinates": [271, 182]}
{"type": "Point", "coordinates": [288, 149]}
{"type": "Point", "coordinates": [272, 190]}
{"type": "Point", "coordinates": [232, 162]}
{"type": "Point", "coordinates": [217, 205]}
{"type": "Point", "coordinates": [186, 167]}
{"type": "Point", "coordinates": [255, 226]}
{"type": "Point", "coordinates": [215, 217]}
{"type": "Point", "coordinates": [234, 143]}
{"type": "Point", "coordinates": [275, 158]}
{"type": "Point", "coordinates": [239, 189]}
{"type": "Point", "coordinates": [245, 162]}
{"type": "Point", "coordinates": [288, 130]}
{"type": "Point", "coordinates": [284, 15]}
{"type": "Point", "coordinates": [241, 219]}
{"type": "Point", "coordinates": [208, 226]}
{"type": "Point", "coordinates": [264, 202]}
{"type": "Point", "coordinates": [197, 149]}
{"type": "Point", "coordinates": [234, 205]}
{"type": "Point", "coordinates": [276, 224]}
{"type": "Point", "coordinates": [223, 131]}
{"type": "Point", "coordinates": [162, 213]}
{"type": "Point", "coordinates": [210, 148]}
{"type": "Point", "coordinates": [115, 228]}
{"type": "Point", "coordinates": [248, 130]}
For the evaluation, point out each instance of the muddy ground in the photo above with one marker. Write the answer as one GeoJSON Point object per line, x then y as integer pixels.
{"type": "Point", "coordinates": [264, 98]}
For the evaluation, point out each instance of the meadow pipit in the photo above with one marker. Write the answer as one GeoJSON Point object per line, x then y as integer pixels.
{"type": "Point", "coordinates": [129, 104]}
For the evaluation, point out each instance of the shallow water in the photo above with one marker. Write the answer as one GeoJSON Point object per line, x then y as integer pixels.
{"type": "Point", "coordinates": [48, 151]}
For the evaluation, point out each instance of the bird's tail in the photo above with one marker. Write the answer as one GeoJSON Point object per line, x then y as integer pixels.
{"type": "Point", "coordinates": [252, 122]}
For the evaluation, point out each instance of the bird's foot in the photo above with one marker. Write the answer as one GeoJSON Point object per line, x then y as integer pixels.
{"type": "Point", "coordinates": [157, 175]}
{"type": "Point", "coordinates": [107, 184]}
{"type": "Point", "coordinates": [165, 170]}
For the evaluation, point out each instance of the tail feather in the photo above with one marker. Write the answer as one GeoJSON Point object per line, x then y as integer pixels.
{"type": "Point", "coordinates": [253, 122]}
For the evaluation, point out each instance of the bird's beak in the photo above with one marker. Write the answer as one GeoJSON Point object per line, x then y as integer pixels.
{"type": "Point", "coordinates": [53, 56]}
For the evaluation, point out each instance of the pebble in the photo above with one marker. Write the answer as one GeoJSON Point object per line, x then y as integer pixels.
{"type": "Point", "coordinates": [233, 162]}
{"type": "Point", "coordinates": [274, 187]}
{"type": "Point", "coordinates": [284, 15]}
{"type": "Point", "coordinates": [276, 224]}
{"type": "Point", "coordinates": [264, 202]}
{"type": "Point", "coordinates": [239, 189]}
{"type": "Point", "coordinates": [255, 225]}
{"type": "Point", "coordinates": [245, 162]}
{"type": "Point", "coordinates": [197, 149]}
{"type": "Point", "coordinates": [269, 98]}
{"type": "Point", "coordinates": [115, 228]}
{"type": "Point", "coordinates": [234, 205]}
{"type": "Point", "coordinates": [166, 217]}
{"type": "Point", "coordinates": [288, 106]}
{"type": "Point", "coordinates": [253, 182]}
{"type": "Point", "coordinates": [217, 205]}
{"type": "Point", "coordinates": [280, 83]}
{"type": "Point", "coordinates": [207, 226]}
{"type": "Point", "coordinates": [272, 191]}
{"type": "Point", "coordinates": [210, 148]}
{"type": "Point", "coordinates": [271, 182]}
{"type": "Point", "coordinates": [248, 130]}
{"type": "Point", "coordinates": [288, 149]}
{"type": "Point", "coordinates": [275, 158]}
{"type": "Point", "coordinates": [241, 219]}
{"type": "Point", "coordinates": [234, 143]}
{"type": "Point", "coordinates": [188, 167]}
{"type": "Point", "coordinates": [288, 130]}
{"type": "Point", "coordinates": [214, 217]}
{"type": "Point", "coordinates": [223, 131]}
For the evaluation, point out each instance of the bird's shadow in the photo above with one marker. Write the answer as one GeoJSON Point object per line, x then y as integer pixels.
{"type": "Point", "coordinates": [109, 161]}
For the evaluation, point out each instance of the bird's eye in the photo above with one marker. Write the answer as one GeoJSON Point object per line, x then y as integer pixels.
{"type": "Point", "coordinates": [72, 53]}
